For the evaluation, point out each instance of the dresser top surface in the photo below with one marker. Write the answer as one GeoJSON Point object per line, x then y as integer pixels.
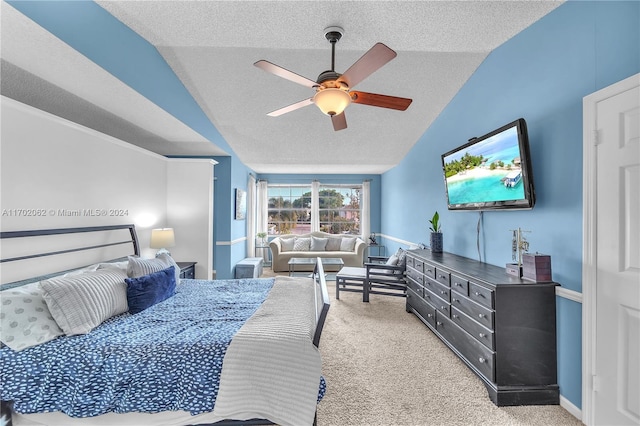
{"type": "Point", "coordinates": [473, 269]}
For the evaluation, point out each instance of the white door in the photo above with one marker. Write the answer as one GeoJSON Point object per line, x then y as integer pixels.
{"type": "Point", "coordinates": [616, 396]}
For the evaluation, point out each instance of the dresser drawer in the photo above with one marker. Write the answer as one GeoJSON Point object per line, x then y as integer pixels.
{"type": "Point", "coordinates": [426, 311]}
{"type": "Point", "coordinates": [410, 261]}
{"type": "Point", "coordinates": [476, 353]}
{"type": "Point", "coordinates": [440, 304]}
{"type": "Point", "coordinates": [474, 328]}
{"type": "Point", "coordinates": [429, 271]}
{"type": "Point", "coordinates": [415, 286]}
{"type": "Point", "coordinates": [482, 295]}
{"type": "Point", "coordinates": [438, 289]}
{"type": "Point", "coordinates": [418, 265]}
{"type": "Point", "coordinates": [415, 275]}
{"type": "Point", "coordinates": [443, 277]}
{"type": "Point", "coordinates": [459, 284]}
{"type": "Point", "coordinates": [476, 311]}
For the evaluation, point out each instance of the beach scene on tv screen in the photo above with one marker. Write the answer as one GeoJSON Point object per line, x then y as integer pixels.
{"type": "Point", "coordinates": [487, 171]}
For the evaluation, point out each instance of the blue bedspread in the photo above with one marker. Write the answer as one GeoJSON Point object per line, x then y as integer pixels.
{"type": "Point", "coordinates": [168, 357]}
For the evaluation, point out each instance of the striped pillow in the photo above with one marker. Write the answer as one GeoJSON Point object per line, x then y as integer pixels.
{"type": "Point", "coordinates": [139, 267]}
{"type": "Point", "coordinates": [80, 303]}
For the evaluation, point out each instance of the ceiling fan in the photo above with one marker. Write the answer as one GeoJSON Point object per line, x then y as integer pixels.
{"type": "Point", "coordinates": [333, 90]}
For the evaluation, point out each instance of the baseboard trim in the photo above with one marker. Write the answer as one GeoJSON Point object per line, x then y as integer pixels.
{"type": "Point", "coordinates": [572, 409]}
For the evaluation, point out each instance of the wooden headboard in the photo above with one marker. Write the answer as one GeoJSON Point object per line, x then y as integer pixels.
{"type": "Point", "coordinates": [35, 254]}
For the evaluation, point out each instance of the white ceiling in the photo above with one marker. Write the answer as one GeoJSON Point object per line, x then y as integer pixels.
{"type": "Point", "coordinates": [212, 45]}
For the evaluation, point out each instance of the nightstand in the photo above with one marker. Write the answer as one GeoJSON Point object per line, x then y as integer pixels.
{"type": "Point", "coordinates": [187, 269]}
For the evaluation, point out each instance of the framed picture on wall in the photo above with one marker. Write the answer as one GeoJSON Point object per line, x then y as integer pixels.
{"type": "Point", "coordinates": [241, 204]}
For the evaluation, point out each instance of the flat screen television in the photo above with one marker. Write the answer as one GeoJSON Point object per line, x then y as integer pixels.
{"type": "Point", "coordinates": [492, 172]}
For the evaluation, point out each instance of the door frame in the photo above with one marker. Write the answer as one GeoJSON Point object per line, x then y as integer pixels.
{"type": "Point", "coordinates": [589, 237]}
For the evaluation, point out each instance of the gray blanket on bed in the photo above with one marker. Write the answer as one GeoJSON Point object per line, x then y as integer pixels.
{"type": "Point", "coordinates": [272, 369]}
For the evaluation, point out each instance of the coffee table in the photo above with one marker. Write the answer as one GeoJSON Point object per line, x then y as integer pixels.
{"type": "Point", "coordinates": [326, 261]}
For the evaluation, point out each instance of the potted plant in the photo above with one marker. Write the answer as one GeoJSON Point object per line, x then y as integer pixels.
{"type": "Point", "coordinates": [262, 236]}
{"type": "Point", "coordinates": [436, 235]}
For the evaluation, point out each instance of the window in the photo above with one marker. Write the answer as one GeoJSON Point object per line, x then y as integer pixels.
{"type": "Point", "coordinates": [291, 209]}
{"type": "Point", "coordinates": [339, 208]}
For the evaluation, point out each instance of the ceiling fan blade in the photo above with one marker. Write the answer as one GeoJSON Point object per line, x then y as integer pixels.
{"type": "Point", "coordinates": [284, 73]}
{"type": "Point", "coordinates": [291, 107]}
{"type": "Point", "coordinates": [368, 63]}
{"type": "Point", "coordinates": [383, 101]}
{"type": "Point", "coordinates": [339, 121]}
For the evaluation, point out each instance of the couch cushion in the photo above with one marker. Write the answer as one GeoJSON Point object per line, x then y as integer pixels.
{"type": "Point", "coordinates": [333, 244]}
{"type": "Point", "coordinates": [347, 244]}
{"type": "Point", "coordinates": [318, 244]}
{"type": "Point", "coordinates": [302, 244]}
{"type": "Point", "coordinates": [287, 243]}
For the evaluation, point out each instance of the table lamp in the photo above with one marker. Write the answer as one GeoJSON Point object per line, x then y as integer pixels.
{"type": "Point", "coordinates": [162, 238]}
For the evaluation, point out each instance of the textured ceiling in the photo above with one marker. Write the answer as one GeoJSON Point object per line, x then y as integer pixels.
{"type": "Point", "coordinates": [212, 45]}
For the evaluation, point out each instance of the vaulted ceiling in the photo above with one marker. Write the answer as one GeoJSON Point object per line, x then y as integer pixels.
{"type": "Point", "coordinates": [211, 47]}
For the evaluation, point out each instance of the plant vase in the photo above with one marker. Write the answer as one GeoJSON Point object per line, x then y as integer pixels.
{"type": "Point", "coordinates": [436, 242]}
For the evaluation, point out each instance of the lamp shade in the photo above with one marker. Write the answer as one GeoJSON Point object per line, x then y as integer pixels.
{"type": "Point", "coordinates": [332, 101]}
{"type": "Point", "coordinates": [162, 238]}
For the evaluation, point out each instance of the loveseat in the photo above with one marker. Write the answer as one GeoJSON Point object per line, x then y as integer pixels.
{"type": "Point", "coordinates": [316, 244]}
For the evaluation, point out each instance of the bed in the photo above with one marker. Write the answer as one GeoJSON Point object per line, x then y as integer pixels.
{"type": "Point", "coordinates": [224, 352]}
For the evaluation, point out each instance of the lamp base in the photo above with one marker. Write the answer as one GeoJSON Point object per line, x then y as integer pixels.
{"type": "Point", "coordinates": [163, 251]}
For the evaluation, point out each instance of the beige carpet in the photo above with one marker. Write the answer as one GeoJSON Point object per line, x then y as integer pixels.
{"type": "Point", "coordinates": [384, 367]}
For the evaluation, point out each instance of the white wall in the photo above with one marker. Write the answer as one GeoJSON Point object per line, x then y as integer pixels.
{"type": "Point", "coordinates": [53, 165]}
{"type": "Point", "coordinates": [190, 212]}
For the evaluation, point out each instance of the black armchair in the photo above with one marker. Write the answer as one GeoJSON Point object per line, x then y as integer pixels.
{"type": "Point", "coordinates": [384, 278]}
{"type": "Point", "coordinates": [377, 276]}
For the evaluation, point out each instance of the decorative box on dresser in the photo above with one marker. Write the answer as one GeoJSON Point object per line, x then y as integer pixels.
{"type": "Point", "coordinates": [502, 327]}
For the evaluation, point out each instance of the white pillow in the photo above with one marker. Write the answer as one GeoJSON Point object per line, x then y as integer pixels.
{"type": "Point", "coordinates": [347, 244]}
{"type": "Point", "coordinates": [25, 318]}
{"type": "Point", "coordinates": [318, 244]}
{"type": "Point", "coordinates": [333, 244]}
{"type": "Point", "coordinates": [80, 303]}
{"type": "Point", "coordinates": [392, 260]}
{"type": "Point", "coordinates": [138, 267]}
{"type": "Point", "coordinates": [302, 244]}
{"type": "Point", "coordinates": [286, 244]}
{"type": "Point", "coordinates": [122, 265]}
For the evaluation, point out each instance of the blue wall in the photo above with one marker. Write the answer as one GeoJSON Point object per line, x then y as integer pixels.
{"type": "Point", "coordinates": [541, 74]}
{"type": "Point", "coordinates": [229, 234]}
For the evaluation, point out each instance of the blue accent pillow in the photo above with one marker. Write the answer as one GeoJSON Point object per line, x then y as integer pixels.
{"type": "Point", "coordinates": [146, 291]}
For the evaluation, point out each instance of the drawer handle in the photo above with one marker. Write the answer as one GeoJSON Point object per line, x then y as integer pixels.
{"type": "Point", "coordinates": [477, 293]}
{"type": "Point", "coordinates": [440, 276]}
{"type": "Point", "coordinates": [455, 316]}
{"type": "Point", "coordinates": [482, 360]}
{"type": "Point", "coordinates": [454, 300]}
{"type": "Point", "coordinates": [429, 315]}
{"type": "Point", "coordinates": [443, 292]}
{"type": "Point", "coordinates": [442, 307]}
{"type": "Point", "coordinates": [482, 335]}
{"type": "Point", "coordinates": [438, 322]}
{"type": "Point", "coordinates": [457, 284]}
{"type": "Point", "coordinates": [482, 316]}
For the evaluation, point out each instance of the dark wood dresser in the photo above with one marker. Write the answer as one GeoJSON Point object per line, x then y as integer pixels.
{"type": "Point", "coordinates": [502, 327]}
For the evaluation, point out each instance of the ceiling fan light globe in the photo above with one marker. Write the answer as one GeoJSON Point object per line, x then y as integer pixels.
{"type": "Point", "coordinates": [332, 101]}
